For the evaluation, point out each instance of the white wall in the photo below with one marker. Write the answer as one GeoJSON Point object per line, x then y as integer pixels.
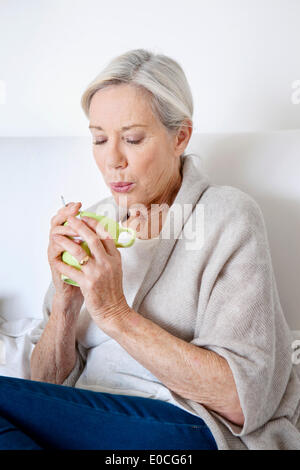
{"type": "Point", "coordinates": [241, 58]}
{"type": "Point", "coordinates": [36, 171]}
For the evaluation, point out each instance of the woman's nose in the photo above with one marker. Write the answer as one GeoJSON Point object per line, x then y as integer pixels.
{"type": "Point", "coordinates": [116, 160]}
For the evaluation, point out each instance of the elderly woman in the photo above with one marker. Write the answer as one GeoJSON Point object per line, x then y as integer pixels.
{"type": "Point", "coordinates": [178, 342]}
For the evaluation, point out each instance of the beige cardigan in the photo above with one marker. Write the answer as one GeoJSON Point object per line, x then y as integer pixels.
{"type": "Point", "coordinates": [220, 293]}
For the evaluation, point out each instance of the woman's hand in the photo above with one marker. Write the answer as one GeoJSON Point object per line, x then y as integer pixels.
{"type": "Point", "coordinates": [66, 293]}
{"type": "Point", "coordinates": [100, 279]}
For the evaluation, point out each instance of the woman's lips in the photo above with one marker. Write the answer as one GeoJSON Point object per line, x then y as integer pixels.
{"type": "Point", "coordinates": [122, 189]}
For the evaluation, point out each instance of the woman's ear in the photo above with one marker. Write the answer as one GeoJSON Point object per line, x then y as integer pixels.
{"type": "Point", "coordinates": [183, 136]}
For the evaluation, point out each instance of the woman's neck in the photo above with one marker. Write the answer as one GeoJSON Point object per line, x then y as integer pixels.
{"type": "Point", "coordinates": [149, 225]}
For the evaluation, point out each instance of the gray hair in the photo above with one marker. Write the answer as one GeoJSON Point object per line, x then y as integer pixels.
{"type": "Point", "coordinates": [171, 97]}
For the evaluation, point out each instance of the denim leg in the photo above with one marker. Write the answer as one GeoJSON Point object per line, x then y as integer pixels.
{"type": "Point", "coordinates": [12, 438]}
{"type": "Point", "coordinates": [59, 417]}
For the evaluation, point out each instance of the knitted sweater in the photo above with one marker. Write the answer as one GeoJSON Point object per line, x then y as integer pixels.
{"type": "Point", "coordinates": [211, 283]}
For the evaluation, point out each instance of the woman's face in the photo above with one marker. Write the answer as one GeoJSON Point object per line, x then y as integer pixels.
{"type": "Point", "coordinates": [145, 154]}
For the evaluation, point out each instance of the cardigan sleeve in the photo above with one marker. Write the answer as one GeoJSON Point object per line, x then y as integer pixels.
{"type": "Point", "coordinates": [75, 373]}
{"type": "Point", "coordinates": [241, 318]}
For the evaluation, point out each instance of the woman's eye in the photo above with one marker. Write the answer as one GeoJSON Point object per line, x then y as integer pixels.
{"type": "Point", "coordinates": [134, 142]}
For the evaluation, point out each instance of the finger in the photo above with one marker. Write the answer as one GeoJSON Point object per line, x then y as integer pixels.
{"type": "Point", "coordinates": [67, 231]}
{"type": "Point", "coordinates": [64, 212]}
{"type": "Point", "coordinates": [69, 245]}
{"type": "Point", "coordinates": [63, 230]}
{"type": "Point", "coordinates": [71, 209]}
{"type": "Point", "coordinates": [69, 271]}
{"type": "Point", "coordinates": [90, 236]}
{"type": "Point", "coordinates": [103, 234]}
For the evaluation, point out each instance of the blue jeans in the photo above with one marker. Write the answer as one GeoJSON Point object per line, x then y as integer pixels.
{"type": "Point", "coordinates": [40, 415]}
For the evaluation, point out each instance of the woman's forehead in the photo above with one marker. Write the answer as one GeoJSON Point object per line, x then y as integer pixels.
{"type": "Point", "coordinates": [121, 97]}
{"type": "Point", "coordinates": [121, 115]}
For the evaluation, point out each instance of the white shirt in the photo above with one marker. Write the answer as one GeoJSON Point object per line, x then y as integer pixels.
{"type": "Point", "coordinates": [135, 262]}
{"type": "Point", "coordinates": [109, 368]}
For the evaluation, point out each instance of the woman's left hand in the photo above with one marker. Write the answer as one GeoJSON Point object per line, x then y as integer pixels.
{"type": "Point", "coordinates": [100, 279]}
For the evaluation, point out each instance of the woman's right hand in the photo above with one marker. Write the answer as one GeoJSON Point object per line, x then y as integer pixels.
{"type": "Point", "coordinates": [65, 293]}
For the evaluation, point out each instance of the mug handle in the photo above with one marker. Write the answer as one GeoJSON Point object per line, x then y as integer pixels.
{"type": "Point", "coordinates": [68, 281]}
{"type": "Point", "coordinates": [131, 242]}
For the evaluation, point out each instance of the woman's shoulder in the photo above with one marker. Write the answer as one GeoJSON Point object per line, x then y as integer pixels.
{"type": "Point", "coordinates": [229, 206]}
{"type": "Point", "coordinates": [228, 195]}
{"type": "Point", "coordinates": [229, 200]}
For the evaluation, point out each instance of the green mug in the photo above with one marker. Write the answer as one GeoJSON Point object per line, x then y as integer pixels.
{"type": "Point", "coordinates": [110, 226]}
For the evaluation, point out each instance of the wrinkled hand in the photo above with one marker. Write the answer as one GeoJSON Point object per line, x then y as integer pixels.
{"type": "Point", "coordinates": [100, 280]}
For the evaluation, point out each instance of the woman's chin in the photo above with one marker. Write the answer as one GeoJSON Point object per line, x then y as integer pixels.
{"type": "Point", "coordinates": [123, 200]}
